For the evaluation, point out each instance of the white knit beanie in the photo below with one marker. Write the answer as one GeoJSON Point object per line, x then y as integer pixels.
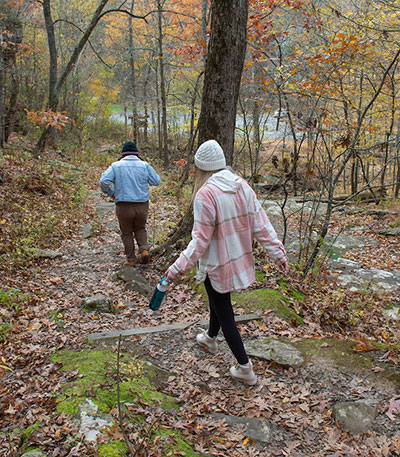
{"type": "Point", "coordinates": [210, 156]}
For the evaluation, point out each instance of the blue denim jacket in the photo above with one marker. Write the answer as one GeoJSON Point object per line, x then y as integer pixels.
{"type": "Point", "coordinates": [128, 180]}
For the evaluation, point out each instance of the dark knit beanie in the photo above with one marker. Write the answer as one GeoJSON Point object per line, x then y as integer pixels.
{"type": "Point", "coordinates": [129, 146]}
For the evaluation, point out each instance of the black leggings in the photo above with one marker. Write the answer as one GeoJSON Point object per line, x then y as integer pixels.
{"type": "Point", "coordinates": [222, 317]}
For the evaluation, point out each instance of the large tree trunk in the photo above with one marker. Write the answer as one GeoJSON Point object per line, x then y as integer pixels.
{"type": "Point", "coordinates": [223, 72]}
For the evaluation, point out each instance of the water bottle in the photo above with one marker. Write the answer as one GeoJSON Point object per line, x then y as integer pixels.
{"type": "Point", "coordinates": [159, 294]}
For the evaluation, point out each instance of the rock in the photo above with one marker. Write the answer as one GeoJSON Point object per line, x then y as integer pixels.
{"type": "Point", "coordinates": [360, 278]}
{"type": "Point", "coordinates": [271, 349]}
{"type": "Point", "coordinates": [392, 312]}
{"type": "Point", "coordinates": [255, 429]}
{"type": "Point", "coordinates": [344, 264]}
{"type": "Point", "coordinates": [393, 231]}
{"type": "Point", "coordinates": [354, 417]}
{"type": "Point", "coordinates": [107, 148]}
{"type": "Point", "coordinates": [87, 231]}
{"type": "Point", "coordinates": [34, 454]}
{"type": "Point", "coordinates": [100, 303]}
{"type": "Point", "coordinates": [344, 243]}
{"type": "Point", "coordinates": [92, 423]}
{"type": "Point", "coordinates": [47, 254]}
{"type": "Point", "coordinates": [387, 280]}
{"type": "Point", "coordinates": [134, 281]}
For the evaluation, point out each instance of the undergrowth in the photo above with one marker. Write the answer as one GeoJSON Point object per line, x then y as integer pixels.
{"type": "Point", "coordinates": [43, 202]}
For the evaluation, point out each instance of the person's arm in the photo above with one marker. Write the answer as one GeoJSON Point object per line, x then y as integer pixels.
{"type": "Point", "coordinates": [203, 228]}
{"type": "Point", "coordinates": [107, 180]}
{"type": "Point", "coordinates": [267, 237]}
{"type": "Point", "coordinates": [153, 178]}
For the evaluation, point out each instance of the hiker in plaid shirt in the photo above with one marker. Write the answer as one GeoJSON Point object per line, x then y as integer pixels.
{"type": "Point", "coordinates": [227, 217]}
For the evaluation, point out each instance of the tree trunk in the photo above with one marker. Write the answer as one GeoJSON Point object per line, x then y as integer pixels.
{"type": "Point", "coordinates": [223, 71]}
{"type": "Point", "coordinates": [164, 130]}
{"type": "Point", "coordinates": [51, 40]}
{"type": "Point", "coordinates": [2, 93]}
{"type": "Point", "coordinates": [133, 78]}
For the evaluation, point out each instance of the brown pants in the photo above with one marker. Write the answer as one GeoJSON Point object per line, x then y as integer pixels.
{"type": "Point", "coordinates": [132, 218]}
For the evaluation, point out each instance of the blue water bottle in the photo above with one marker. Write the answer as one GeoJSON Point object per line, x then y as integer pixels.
{"type": "Point", "coordinates": [159, 294]}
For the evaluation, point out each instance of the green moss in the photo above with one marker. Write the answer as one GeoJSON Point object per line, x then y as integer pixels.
{"type": "Point", "coordinates": [176, 442]}
{"type": "Point", "coordinates": [98, 381]}
{"type": "Point", "coordinates": [343, 354]}
{"type": "Point", "coordinates": [285, 285]}
{"type": "Point", "coordinates": [32, 449]}
{"type": "Point", "coordinates": [260, 275]}
{"type": "Point", "coordinates": [268, 299]}
{"type": "Point", "coordinates": [28, 431]}
{"type": "Point", "coordinates": [115, 448]}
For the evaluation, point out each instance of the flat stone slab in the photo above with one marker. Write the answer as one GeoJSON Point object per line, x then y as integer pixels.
{"type": "Point", "coordinates": [255, 429]}
{"type": "Point", "coordinates": [162, 328]}
{"type": "Point", "coordinates": [354, 417]}
{"type": "Point", "coordinates": [393, 231]}
{"type": "Point", "coordinates": [47, 254]}
{"type": "Point", "coordinates": [99, 302]}
{"type": "Point", "coordinates": [360, 278]}
{"type": "Point", "coordinates": [271, 349]}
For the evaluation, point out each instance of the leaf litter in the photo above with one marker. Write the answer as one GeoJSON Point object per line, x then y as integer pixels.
{"type": "Point", "coordinates": [297, 403]}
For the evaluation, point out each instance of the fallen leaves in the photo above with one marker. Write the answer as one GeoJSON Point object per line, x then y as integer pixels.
{"type": "Point", "coordinates": [363, 345]}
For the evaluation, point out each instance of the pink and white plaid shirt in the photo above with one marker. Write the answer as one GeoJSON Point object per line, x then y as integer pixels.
{"type": "Point", "coordinates": [227, 217]}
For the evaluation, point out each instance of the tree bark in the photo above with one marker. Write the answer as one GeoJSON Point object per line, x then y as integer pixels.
{"type": "Point", "coordinates": [2, 92]}
{"type": "Point", "coordinates": [133, 78]}
{"type": "Point", "coordinates": [164, 130]}
{"type": "Point", "coordinates": [223, 71]}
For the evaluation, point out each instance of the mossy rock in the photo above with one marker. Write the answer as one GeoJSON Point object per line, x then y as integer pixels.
{"type": "Point", "coordinates": [97, 381]}
{"type": "Point", "coordinates": [268, 299]}
{"type": "Point", "coordinates": [342, 354]}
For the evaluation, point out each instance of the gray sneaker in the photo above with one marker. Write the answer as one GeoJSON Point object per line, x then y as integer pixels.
{"type": "Point", "coordinates": [244, 373]}
{"type": "Point", "coordinates": [207, 342]}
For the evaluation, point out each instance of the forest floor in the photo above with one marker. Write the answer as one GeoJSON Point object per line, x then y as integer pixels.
{"type": "Point", "coordinates": [49, 328]}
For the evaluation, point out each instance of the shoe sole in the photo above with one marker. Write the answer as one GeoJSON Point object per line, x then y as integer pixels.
{"type": "Point", "coordinates": [248, 383]}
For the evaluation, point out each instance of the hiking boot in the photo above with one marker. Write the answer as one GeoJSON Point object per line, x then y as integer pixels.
{"type": "Point", "coordinates": [244, 373]}
{"type": "Point", "coordinates": [144, 256]}
{"type": "Point", "coordinates": [129, 263]}
{"type": "Point", "coordinates": [207, 342]}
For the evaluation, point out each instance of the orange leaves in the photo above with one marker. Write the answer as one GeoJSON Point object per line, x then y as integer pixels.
{"type": "Point", "coordinates": [363, 345]}
{"type": "Point", "coordinates": [49, 118]}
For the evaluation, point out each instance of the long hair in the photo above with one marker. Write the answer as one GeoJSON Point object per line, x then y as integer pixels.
{"type": "Point", "coordinates": [200, 178]}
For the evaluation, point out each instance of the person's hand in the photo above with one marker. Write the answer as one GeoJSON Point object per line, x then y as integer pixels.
{"type": "Point", "coordinates": [170, 276]}
{"type": "Point", "coordinates": [283, 265]}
